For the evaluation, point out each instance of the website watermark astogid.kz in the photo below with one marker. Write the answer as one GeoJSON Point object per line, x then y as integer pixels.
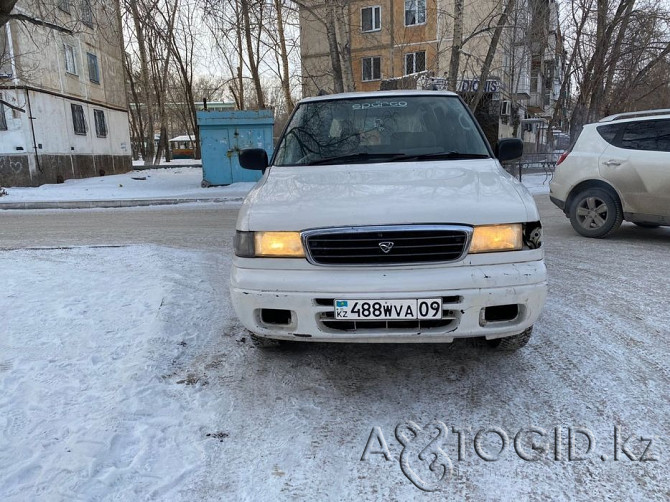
{"type": "Point", "coordinates": [428, 453]}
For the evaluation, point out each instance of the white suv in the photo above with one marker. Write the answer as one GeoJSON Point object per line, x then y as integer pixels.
{"type": "Point", "coordinates": [386, 217]}
{"type": "Point", "coordinates": [619, 169]}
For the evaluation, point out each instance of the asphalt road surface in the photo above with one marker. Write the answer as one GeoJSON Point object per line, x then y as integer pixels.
{"type": "Point", "coordinates": [582, 412]}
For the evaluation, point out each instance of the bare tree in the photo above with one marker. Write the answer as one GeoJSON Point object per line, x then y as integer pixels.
{"type": "Point", "coordinates": [140, 16]}
{"type": "Point", "coordinates": [252, 55]}
{"type": "Point", "coordinates": [615, 46]}
{"type": "Point", "coordinates": [493, 47]}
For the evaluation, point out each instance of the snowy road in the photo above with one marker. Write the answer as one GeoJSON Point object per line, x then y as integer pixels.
{"type": "Point", "coordinates": [125, 375]}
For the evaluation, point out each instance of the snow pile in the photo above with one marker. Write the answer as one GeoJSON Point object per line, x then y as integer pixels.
{"type": "Point", "coordinates": [181, 182]}
{"type": "Point", "coordinates": [92, 393]}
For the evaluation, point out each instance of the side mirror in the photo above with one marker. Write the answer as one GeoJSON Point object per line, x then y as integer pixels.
{"type": "Point", "coordinates": [509, 149]}
{"type": "Point", "coordinates": [255, 159]}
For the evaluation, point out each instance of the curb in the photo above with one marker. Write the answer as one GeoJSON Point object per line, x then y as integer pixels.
{"type": "Point", "coordinates": [165, 166]}
{"type": "Point", "coordinates": [92, 204]}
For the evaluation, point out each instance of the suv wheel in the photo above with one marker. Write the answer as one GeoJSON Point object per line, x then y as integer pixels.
{"type": "Point", "coordinates": [513, 342]}
{"type": "Point", "coordinates": [595, 212]}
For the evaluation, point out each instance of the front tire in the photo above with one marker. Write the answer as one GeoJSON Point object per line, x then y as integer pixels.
{"type": "Point", "coordinates": [595, 213]}
{"type": "Point", "coordinates": [511, 343]}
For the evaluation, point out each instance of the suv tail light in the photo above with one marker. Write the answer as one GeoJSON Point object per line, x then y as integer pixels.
{"type": "Point", "coordinates": [563, 156]}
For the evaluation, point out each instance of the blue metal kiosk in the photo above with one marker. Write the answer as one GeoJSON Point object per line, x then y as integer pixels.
{"type": "Point", "coordinates": [223, 134]}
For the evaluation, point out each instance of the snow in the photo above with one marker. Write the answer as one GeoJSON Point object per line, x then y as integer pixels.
{"type": "Point", "coordinates": [91, 392]}
{"type": "Point", "coordinates": [536, 183]}
{"type": "Point", "coordinates": [181, 182]}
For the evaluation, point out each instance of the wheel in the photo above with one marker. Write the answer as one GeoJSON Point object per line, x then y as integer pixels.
{"type": "Point", "coordinates": [514, 342]}
{"type": "Point", "coordinates": [264, 343]}
{"type": "Point", "coordinates": [595, 212]}
{"type": "Point", "coordinates": [205, 184]}
{"type": "Point", "coordinates": [646, 225]}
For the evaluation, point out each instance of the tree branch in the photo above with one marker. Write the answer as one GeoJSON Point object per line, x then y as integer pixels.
{"type": "Point", "coordinates": [35, 21]}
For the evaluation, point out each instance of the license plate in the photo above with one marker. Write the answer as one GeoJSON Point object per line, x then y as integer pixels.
{"type": "Point", "coordinates": [424, 308]}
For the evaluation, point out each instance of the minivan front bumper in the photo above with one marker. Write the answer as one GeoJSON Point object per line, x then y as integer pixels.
{"type": "Point", "coordinates": [465, 291]}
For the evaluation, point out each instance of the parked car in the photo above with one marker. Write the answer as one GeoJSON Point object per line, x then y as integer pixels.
{"type": "Point", "coordinates": [386, 217]}
{"type": "Point", "coordinates": [618, 169]}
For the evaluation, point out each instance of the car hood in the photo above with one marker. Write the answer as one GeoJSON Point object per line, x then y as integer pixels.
{"type": "Point", "coordinates": [465, 191]}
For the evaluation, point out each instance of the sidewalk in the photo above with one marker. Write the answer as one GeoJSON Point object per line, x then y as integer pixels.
{"type": "Point", "coordinates": [147, 187]}
{"type": "Point", "coordinates": [151, 187]}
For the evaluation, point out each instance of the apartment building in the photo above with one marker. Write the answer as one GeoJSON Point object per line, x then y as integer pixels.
{"type": "Point", "coordinates": [379, 42]}
{"type": "Point", "coordinates": [63, 108]}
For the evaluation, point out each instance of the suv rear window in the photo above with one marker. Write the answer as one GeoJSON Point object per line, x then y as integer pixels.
{"type": "Point", "coordinates": [609, 132]}
{"type": "Point", "coordinates": [649, 135]}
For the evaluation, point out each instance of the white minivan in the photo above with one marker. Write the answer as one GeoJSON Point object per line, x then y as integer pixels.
{"type": "Point", "coordinates": [387, 217]}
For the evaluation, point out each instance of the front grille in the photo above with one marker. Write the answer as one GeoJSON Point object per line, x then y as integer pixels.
{"type": "Point", "coordinates": [387, 245]}
{"type": "Point", "coordinates": [450, 319]}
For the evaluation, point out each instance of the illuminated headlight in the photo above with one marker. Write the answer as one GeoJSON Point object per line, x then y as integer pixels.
{"type": "Point", "coordinates": [268, 244]}
{"type": "Point", "coordinates": [491, 238]}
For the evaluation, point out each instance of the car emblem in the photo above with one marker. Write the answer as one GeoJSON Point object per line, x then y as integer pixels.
{"type": "Point", "coordinates": [386, 246]}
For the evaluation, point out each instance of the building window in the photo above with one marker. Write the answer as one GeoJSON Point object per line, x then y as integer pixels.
{"type": "Point", "coordinates": [70, 59]}
{"type": "Point", "coordinates": [415, 62]}
{"type": "Point", "coordinates": [415, 12]}
{"type": "Point", "coordinates": [93, 68]}
{"type": "Point", "coordinates": [3, 118]}
{"type": "Point", "coordinates": [78, 119]}
{"type": "Point", "coordinates": [64, 5]}
{"type": "Point", "coordinates": [371, 19]}
{"type": "Point", "coordinates": [87, 13]}
{"type": "Point", "coordinates": [100, 124]}
{"type": "Point", "coordinates": [372, 69]}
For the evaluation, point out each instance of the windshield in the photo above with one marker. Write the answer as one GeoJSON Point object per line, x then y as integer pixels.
{"type": "Point", "coordinates": [379, 129]}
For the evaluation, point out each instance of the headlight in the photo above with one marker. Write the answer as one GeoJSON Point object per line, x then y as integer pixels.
{"type": "Point", "coordinates": [279, 244]}
{"type": "Point", "coordinates": [269, 244]}
{"type": "Point", "coordinates": [490, 238]}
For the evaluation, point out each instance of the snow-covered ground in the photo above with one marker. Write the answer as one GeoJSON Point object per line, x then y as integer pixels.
{"type": "Point", "coordinates": [183, 182]}
{"type": "Point", "coordinates": [125, 375]}
{"type": "Point", "coordinates": [92, 375]}
{"type": "Point", "coordinates": [536, 183]}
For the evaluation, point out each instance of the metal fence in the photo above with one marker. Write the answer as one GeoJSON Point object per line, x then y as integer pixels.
{"type": "Point", "coordinates": [544, 163]}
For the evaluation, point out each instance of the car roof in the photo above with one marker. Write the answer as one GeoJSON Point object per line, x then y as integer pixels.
{"type": "Point", "coordinates": [376, 94]}
{"type": "Point", "coordinates": [639, 115]}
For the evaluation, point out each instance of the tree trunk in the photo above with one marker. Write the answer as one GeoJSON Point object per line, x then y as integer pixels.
{"type": "Point", "coordinates": [457, 44]}
{"type": "Point", "coordinates": [286, 80]}
{"type": "Point", "coordinates": [253, 63]}
{"type": "Point", "coordinates": [240, 49]}
{"type": "Point", "coordinates": [146, 85]}
{"type": "Point", "coordinates": [486, 67]}
{"type": "Point", "coordinates": [161, 84]}
{"type": "Point", "coordinates": [331, 34]}
{"type": "Point", "coordinates": [136, 122]}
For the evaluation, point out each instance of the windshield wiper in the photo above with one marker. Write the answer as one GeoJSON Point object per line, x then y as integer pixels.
{"type": "Point", "coordinates": [363, 156]}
